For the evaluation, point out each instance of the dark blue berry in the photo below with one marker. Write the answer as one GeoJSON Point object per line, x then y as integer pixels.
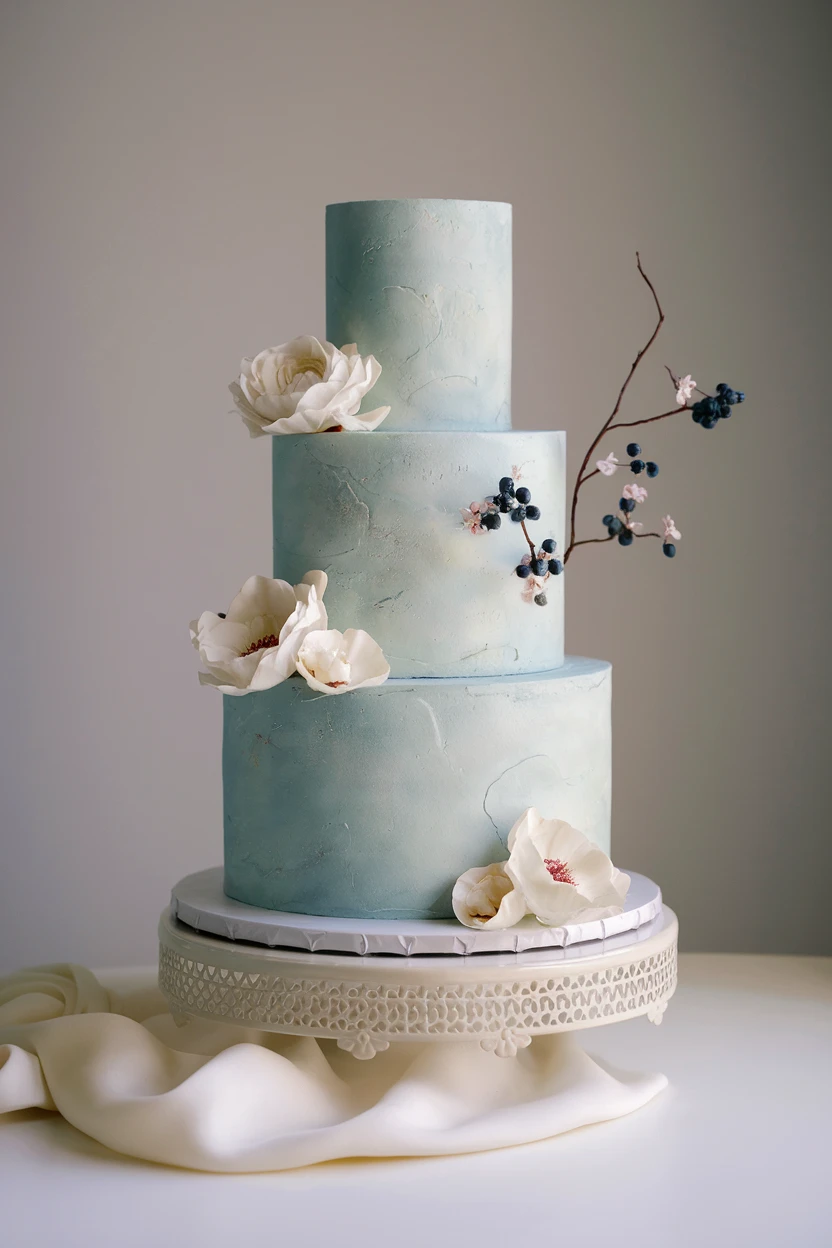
{"type": "Point", "coordinates": [532, 512]}
{"type": "Point", "coordinates": [491, 520]}
{"type": "Point", "coordinates": [725, 411]}
{"type": "Point", "coordinates": [607, 520]}
{"type": "Point", "coordinates": [697, 413]}
{"type": "Point", "coordinates": [505, 504]}
{"type": "Point", "coordinates": [541, 600]}
{"type": "Point", "coordinates": [506, 485]}
{"type": "Point", "coordinates": [625, 539]}
{"type": "Point", "coordinates": [523, 495]}
{"type": "Point", "coordinates": [729, 396]}
{"type": "Point", "coordinates": [652, 469]}
{"type": "Point", "coordinates": [518, 514]}
{"type": "Point", "coordinates": [722, 387]}
{"type": "Point", "coordinates": [740, 396]}
{"type": "Point", "coordinates": [539, 567]}
{"type": "Point", "coordinates": [615, 526]}
{"type": "Point", "coordinates": [627, 504]}
{"type": "Point", "coordinates": [523, 570]}
{"type": "Point", "coordinates": [555, 567]}
{"type": "Point", "coordinates": [550, 545]}
{"type": "Point", "coordinates": [633, 448]}
{"type": "Point", "coordinates": [669, 549]}
{"type": "Point", "coordinates": [708, 422]}
{"type": "Point", "coordinates": [637, 466]}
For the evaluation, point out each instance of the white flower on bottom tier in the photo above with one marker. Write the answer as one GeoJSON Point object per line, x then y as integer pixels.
{"type": "Point", "coordinates": [563, 877]}
{"type": "Point", "coordinates": [255, 645]}
{"type": "Point", "coordinates": [486, 897]}
{"type": "Point", "coordinates": [334, 662]}
{"type": "Point", "coordinates": [306, 386]}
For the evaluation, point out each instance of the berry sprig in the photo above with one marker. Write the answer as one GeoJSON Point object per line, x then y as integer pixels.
{"type": "Point", "coordinates": [516, 501]}
{"type": "Point", "coordinates": [714, 407]}
{"type": "Point", "coordinates": [706, 411]}
{"type": "Point", "coordinates": [624, 526]}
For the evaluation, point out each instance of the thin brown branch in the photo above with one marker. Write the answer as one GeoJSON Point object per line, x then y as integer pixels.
{"type": "Point", "coordinates": [579, 480]}
{"type": "Point", "coordinates": [595, 472]}
{"type": "Point", "coordinates": [592, 541]}
{"type": "Point", "coordinates": [532, 546]}
{"type": "Point", "coordinates": [647, 420]}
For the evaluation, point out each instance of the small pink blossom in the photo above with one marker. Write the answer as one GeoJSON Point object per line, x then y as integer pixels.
{"type": "Point", "coordinates": [632, 524]}
{"type": "Point", "coordinates": [685, 388]}
{"type": "Point", "coordinates": [516, 474]}
{"type": "Point", "coordinates": [636, 492]}
{"type": "Point", "coordinates": [670, 530]}
{"type": "Point", "coordinates": [607, 466]}
{"type": "Point", "coordinates": [472, 517]}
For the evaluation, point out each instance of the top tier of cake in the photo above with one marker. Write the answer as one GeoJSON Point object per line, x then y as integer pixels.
{"type": "Point", "coordinates": [425, 286]}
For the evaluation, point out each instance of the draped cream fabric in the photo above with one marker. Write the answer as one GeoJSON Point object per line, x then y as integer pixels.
{"type": "Point", "coordinates": [214, 1097]}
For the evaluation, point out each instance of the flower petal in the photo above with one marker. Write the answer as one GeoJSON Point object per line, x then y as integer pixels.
{"type": "Point", "coordinates": [485, 897]}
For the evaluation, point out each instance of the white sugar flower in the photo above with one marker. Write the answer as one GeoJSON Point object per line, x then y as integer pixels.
{"type": "Point", "coordinates": [686, 386]}
{"type": "Point", "coordinates": [306, 386]}
{"type": "Point", "coordinates": [671, 533]}
{"type": "Point", "coordinates": [486, 897]}
{"type": "Point", "coordinates": [636, 492]}
{"type": "Point", "coordinates": [561, 874]}
{"type": "Point", "coordinates": [632, 524]}
{"type": "Point", "coordinates": [334, 662]}
{"type": "Point", "coordinates": [255, 645]}
{"type": "Point", "coordinates": [608, 465]}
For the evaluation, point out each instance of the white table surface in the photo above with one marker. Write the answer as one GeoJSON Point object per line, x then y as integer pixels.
{"type": "Point", "coordinates": [737, 1152]}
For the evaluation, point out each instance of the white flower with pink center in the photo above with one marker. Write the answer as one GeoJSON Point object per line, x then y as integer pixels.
{"type": "Point", "coordinates": [636, 492]}
{"type": "Point", "coordinates": [671, 533]}
{"type": "Point", "coordinates": [609, 465]}
{"type": "Point", "coordinates": [685, 388]}
{"type": "Point", "coordinates": [562, 875]}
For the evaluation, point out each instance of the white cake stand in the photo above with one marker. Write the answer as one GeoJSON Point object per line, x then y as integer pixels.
{"type": "Point", "coordinates": [437, 1024]}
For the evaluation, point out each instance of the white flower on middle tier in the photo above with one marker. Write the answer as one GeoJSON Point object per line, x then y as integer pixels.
{"type": "Point", "coordinates": [562, 875]}
{"type": "Point", "coordinates": [334, 662]}
{"type": "Point", "coordinates": [255, 645]}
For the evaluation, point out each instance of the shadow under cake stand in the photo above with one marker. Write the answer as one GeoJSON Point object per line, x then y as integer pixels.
{"type": "Point", "coordinates": [432, 995]}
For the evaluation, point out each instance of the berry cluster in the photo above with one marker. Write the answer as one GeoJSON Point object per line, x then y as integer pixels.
{"type": "Point", "coordinates": [542, 562]}
{"type": "Point", "coordinates": [515, 502]}
{"type": "Point", "coordinates": [708, 410]}
{"type": "Point", "coordinates": [637, 464]}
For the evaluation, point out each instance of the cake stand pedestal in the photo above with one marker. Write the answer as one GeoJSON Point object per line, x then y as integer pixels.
{"type": "Point", "coordinates": [471, 1052]}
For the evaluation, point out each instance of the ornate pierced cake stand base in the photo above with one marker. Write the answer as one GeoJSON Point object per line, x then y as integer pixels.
{"type": "Point", "coordinates": [469, 1051]}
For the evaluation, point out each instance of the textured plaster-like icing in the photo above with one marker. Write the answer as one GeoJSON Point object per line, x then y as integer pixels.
{"type": "Point", "coordinates": [372, 803]}
{"type": "Point", "coordinates": [379, 513]}
{"type": "Point", "coordinates": [424, 285]}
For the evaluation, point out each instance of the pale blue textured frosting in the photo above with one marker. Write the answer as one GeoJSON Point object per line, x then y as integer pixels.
{"type": "Point", "coordinates": [424, 285]}
{"type": "Point", "coordinates": [379, 513]}
{"type": "Point", "coordinates": [370, 804]}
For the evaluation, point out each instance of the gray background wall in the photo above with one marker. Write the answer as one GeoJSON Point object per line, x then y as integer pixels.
{"type": "Point", "coordinates": [165, 171]}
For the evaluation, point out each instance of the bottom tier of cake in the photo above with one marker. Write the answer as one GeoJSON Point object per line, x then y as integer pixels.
{"type": "Point", "coordinates": [371, 804]}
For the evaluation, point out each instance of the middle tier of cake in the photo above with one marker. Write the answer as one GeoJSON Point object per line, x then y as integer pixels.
{"type": "Point", "coordinates": [380, 514]}
{"type": "Point", "coordinates": [370, 804]}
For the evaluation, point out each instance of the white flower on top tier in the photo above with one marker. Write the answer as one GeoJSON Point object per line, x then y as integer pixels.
{"type": "Point", "coordinates": [486, 897]}
{"type": "Point", "coordinates": [334, 662]}
{"type": "Point", "coordinates": [306, 386]}
{"type": "Point", "coordinates": [562, 875]}
{"type": "Point", "coordinates": [255, 645]}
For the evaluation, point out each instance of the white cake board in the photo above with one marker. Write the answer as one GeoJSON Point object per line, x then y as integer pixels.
{"type": "Point", "coordinates": [198, 901]}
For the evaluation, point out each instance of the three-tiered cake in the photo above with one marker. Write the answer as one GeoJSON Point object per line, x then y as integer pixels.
{"type": "Point", "coordinates": [371, 805]}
